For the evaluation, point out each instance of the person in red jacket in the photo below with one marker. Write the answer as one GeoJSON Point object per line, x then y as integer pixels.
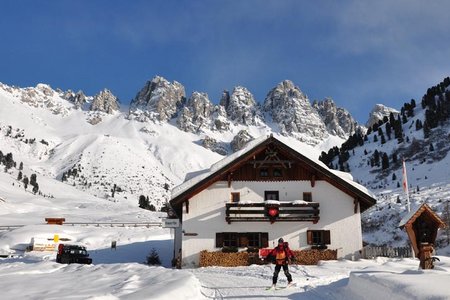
{"type": "Point", "coordinates": [282, 256]}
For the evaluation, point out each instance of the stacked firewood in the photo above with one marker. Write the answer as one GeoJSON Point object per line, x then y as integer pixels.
{"type": "Point", "coordinates": [312, 256]}
{"type": "Point", "coordinates": [222, 259]}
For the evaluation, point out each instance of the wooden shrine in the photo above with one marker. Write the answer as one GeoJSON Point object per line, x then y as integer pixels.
{"type": "Point", "coordinates": [422, 226]}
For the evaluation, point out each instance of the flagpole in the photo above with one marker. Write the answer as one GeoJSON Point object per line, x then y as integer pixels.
{"type": "Point", "coordinates": [405, 186]}
{"type": "Point", "coordinates": [406, 190]}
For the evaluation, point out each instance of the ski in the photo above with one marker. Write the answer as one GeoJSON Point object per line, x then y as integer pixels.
{"type": "Point", "coordinates": [276, 288]}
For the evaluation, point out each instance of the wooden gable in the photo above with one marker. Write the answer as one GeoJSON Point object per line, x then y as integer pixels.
{"type": "Point", "coordinates": [272, 154]}
{"type": "Point", "coordinates": [270, 164]}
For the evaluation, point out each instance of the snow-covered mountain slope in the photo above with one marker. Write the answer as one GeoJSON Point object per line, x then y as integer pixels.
{"type": "Point", "coordinates": [139, 158]}
{"type": "Point", "coordinates": [376, 162]}
{"type": "Point", "coordinates": [109, 153]}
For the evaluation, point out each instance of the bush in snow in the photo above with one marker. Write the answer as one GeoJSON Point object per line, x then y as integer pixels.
{"type": "Point", "coordinates": [153, 258]}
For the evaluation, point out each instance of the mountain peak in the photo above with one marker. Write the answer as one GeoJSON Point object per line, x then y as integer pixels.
{"type": "Point", "coordinates": [159, 99]}
{"type": "Point", "coordinates": [339, 121]}
{"type": "Point", "coordinates": [293, 113]}
{"type": "Point", "coordinates": [379, 111]}
{"type": "Point", "coordinates": [105, 101]}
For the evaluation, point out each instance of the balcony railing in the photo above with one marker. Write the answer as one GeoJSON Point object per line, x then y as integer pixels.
{"type": "Point", "coordinates": [287, 212]}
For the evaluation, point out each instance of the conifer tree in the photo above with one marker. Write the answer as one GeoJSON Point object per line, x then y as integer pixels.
{"type": "Point", "coordinates": [33, 179]}
{"type": "Point", "coordinates": [25, 181]}
{"type": "Point", "coordinates": [388, 130]}
{"type": "Point", "coordinates": [153, 258]}
{"type": "Point", "coordinates": [384, 161]}
{"type": "Point", "coordinates": [35, 188]}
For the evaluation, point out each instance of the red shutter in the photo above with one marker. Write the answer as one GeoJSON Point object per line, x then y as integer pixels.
{"type": "Point", "coordinates": [309, 237]}
{"type": "Point", "coordinates": [264, 239]}
{"type": "Point", "coordinates": [219, 239]}
{"type": "Point", "coordinates": [326, 237]}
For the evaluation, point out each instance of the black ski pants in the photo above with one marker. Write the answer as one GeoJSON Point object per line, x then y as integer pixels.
{"type": "Point", "coordinates": [286, 272]}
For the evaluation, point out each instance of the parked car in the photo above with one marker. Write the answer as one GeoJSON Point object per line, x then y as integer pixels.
{"type": "Point", "coordinates": [69, 254]}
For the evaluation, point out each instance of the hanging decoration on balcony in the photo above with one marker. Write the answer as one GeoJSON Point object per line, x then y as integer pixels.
{"type": "Point", "coordinates": [272, 211]}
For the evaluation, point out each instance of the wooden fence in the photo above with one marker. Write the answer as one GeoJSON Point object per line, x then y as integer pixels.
{"type": "Point", "coordinates": [96, 224]}
{"type": "Point", "coordinates": [372, 252]}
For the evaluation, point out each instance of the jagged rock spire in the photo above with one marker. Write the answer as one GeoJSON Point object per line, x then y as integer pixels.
{"type": "Point", "coordinates": [160, 99]}
{"type": "Point", "coordinates": [293, 113]}
{"type": "Point", "coordinates": [105, 101]}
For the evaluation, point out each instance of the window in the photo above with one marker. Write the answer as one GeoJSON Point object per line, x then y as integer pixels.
{"type": "Point", "coordinates": [277, 172]}
{"type": "Point", "coordinates": [264, 172]}
{"type": "Point", "coordinates": [271, 195]}
{"type": "Point", "coordinates": [242, 239]}
{"type": "Point", "coordinates": [318, 237]}
{"type": "Point", "coordinates": [307, 196]}
{"type": "Point", "coordinates": [230, 239]}
{"type": "Point", "coordinates": [235, 197]}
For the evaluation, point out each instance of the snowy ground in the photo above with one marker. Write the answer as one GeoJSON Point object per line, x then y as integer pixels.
{"type": "Point", "coordinates": [40, 277]}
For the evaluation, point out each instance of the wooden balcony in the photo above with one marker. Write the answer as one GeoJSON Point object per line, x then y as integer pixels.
{"type": "Point", "coordinates": [256, 212]}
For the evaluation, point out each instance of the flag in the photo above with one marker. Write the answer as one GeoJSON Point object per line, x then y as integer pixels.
{"type": "Point", "coordinates": [405, 179]}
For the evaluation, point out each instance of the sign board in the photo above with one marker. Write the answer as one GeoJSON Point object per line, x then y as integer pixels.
{"type": "Point", "coordinates": [171, 223]}
{"type": "Point", "coordinates": [42, 244]}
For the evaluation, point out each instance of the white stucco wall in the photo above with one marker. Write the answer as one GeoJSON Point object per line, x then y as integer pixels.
{"type": "Point", "coordinates": [206, 217]}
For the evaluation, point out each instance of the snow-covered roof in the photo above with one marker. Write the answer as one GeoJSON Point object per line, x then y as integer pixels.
{"type": "Point", "coordinates": [408, 216]}
{"type": "Point", "coordinates": [216, 166]}
{"type": "Point", "coordinates": [306, 151]}
{"type": "Point", "coordinates": [419, 210]}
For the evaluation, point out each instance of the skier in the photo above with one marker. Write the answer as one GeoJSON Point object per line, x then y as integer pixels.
{"type": "Point", "coordinates": [282, 256]}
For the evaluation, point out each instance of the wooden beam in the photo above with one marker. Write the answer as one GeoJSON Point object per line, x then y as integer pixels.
{"type": "Point", "coordinates": [187, 206]}
{"type": "Point", "coordinates": [412, 237]}
{"type": "Point", "coordinates": [313, 180]}
{"type": "Point", "coordinates": [230, 175]}
{"type": "Point", "coordinates": [355, 203]}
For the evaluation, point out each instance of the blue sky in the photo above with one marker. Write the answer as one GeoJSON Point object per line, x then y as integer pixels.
{"type": "Point", "coordinates": [358, 52]}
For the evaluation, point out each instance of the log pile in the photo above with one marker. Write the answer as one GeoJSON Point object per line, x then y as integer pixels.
{"type": "Point", "coordinates": [222, 259]}
{"type": "Point", "coordinates": [312, 256]}
{"type": "Point", "coordinates": [303, 257]}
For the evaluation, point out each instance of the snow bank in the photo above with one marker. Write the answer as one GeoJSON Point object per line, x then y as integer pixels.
{"type": "Point", "coordinates": [401, 281]}
{"type": "Point", "coordinates": [28, 279]}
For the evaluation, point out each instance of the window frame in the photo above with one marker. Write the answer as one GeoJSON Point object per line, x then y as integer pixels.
{"type": "Point", "coordinates": [318, 238]}
{"type": "Point", "coordinates": [276, 193]}
{"type": "Point", "coordinates": [277, 175]}
{"type": "Point", "coordinates": [264, 173]}
{"type": "Point", "coordinates": [242, 239]}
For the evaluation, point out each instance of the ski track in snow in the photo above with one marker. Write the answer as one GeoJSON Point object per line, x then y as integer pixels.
{"type": "Point", "coordinates": [252, 282]}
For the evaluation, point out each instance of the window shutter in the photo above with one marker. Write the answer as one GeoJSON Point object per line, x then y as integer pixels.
{"type": "Point", "coordinates": [264, 239]}
{"type": "Point", "coordinates": [326, 237]}
{"type": "Point", "coordinates": [309, 237]}
{"type": "Point", "coordinates": [219, 239]}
